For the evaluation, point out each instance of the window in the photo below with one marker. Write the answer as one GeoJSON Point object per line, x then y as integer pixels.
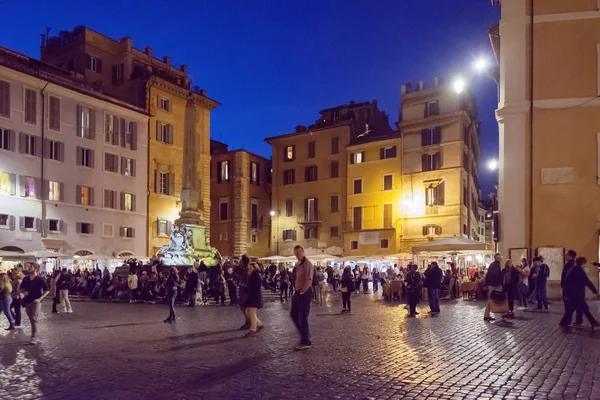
{"type": "Point", "coordinates": [4, 220]}
{"type": "Point", "coordinates": [84, 116]}
{"type": "Point", "coordinates": [127, 202]}
{"type": "Point", "coordinates": [289, 177]}
{"type": "Point", "coordinates": [107, 230]}
{"type": "Point", "coordinates": [388, 182]}
{"type": "Point", "coordinates": [164, 133]}
{"type": "Point", "coordinates": [28, 187]}
{"type": "Point", "coordinates": [354, 245]}
{"type": "Point", "coordinates": [95, 64]}
{"type": "Point", "coordinates": [7, 139]}
{"type": "Point", "coordinates": [310, 233]}
{"type": "Point", "coordinates": [127, 232]}
{"type": "Point", "coordinates": [253, 238]}
{"type": "Point", "coordinates": [434, 194]}
{"type": "Point", "coordinates": [54, 113]}
{"type": "Point", "coordinates": [223, 171]}
{"type": "Point", "coordinates": [357, 186]}
{"type": "Point", "coordinates": [387, 152]}
{"type": "Point", "coordinates": [223, 210]}
{"type": "Point", "coordinates": [164, 104]}
{"type": "Point", "coordinates": [431, 162]}
{"type": "Point", "coordinates": [30, 114]}
{"type": "Point", "coordinates": [357, 158]}
{"type": "Point", "coordinates": [29, 144]}
{"type": "Point", "coordinates": [85, 228]}
{"type": "Point", "coordinates": [254, 173]}
{"type": "Point", "coordinates": [311, 149]}
{"type": "Point", "coordinates": [8, 183]}
{"type": "Point", "coordinates": [289, 153]}
{"type": "Point", "coordinates": [357, 221]}
{"type": "Point", "coordinates": [85, 158]}
{"type": "Point", "coordinates": [432, 108]}
{"type": "Point", "coordinates": [163, 227]}
{"type": "Point", "coordinates": [111, 162]}
{"type": "Point", "coordinates": [54, 191]}
{"type": "Point", "coordinates": [335, 145]}
{"type": "Point", "coordinates": [335, 169]}
{"type": "Point", "coordinates": [28, 222]}
{"type": "Point", "coordinates": [53, 150]}
{"type": "Point", "coordinates": [223, 236]}
{"type": "Point", "coordinates": [117, 74]}
{"type": "Point", "coordinates": [111, 130]}
{"type": "Point", "coordinates": [164, 183]}
{"type": "Point", "coordinates": [254, 222]}
{"type": "Point", "coordinates": [130, 132]}
{"type": "Point", "coordinates": [334, 232]}
{"type": "Point", "coordinates": [384, 243]}
{"type": "Point", "coordinates": [84, 195]}
{"type": "Point", "coordinates": [311, 212]}
{"type": "Point", "coordinates": [289, 234]}
{"type": "Point", "coordinates": [289, 208]}
{"type": "Point", "coordinates": [430, 230]}
{"type": "Point", "coordinates": [432, 136]}
{"type": "Point", "coordinates": [5, 99]}
{"type": "Point", "coordinates": [127, 166]}
{"type": "Point", "coordinates": [110, 199]}
{"type": "Point", "coordinates": [334, 203]}
{"type": "Point", "coordinates": [54, 225]}
{"type": "Point", "coordinates": [388, 216]}
{"type": "Point", "coordinates": [310, 173]}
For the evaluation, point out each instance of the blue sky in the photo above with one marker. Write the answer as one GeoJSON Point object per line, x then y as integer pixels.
{"type": "Point", "coordinates": [274, 64]}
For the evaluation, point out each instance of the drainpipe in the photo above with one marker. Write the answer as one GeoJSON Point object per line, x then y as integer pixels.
{"type": "Point", "coordinates": [151, 82]}
{"type": "Point", "coordinates": [44, 233]}
{"type": "Point", "coordinates": [531, 128]}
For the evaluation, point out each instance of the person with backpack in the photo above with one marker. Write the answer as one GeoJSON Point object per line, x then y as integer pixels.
{"type": "Point", "coordinates": [347, 289]}
{"type": "Point", "coordinates": [542, 275]}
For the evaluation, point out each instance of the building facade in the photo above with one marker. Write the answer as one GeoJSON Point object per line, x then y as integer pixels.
{"type": "Point", "coordinates": [241, 202]}
{"type": "Point", "coordinates": [440, 154]}
{"type": "Point", "coordinates": [69, 180]}
{"type": "Point", "coordinates": [117, 68]}
{"type": "Point", "coordinates": [548, 119]}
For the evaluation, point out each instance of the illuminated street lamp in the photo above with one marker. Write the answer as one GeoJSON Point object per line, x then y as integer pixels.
{"type": "Point", "coordinates": [481, 64]}
{"type": "Point", "coordinates": [492, 164]}
{"type": "Point", "coordinates": [458, 84]}
{"type": "Point", "coordinates": [272, 213]}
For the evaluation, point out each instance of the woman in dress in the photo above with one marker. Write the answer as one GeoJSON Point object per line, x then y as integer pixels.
{"type": "Point", "coordinates": [254, 299]}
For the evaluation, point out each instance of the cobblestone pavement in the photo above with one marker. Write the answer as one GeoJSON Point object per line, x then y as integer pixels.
{"type": "Point", "coordinates": [123, 351]}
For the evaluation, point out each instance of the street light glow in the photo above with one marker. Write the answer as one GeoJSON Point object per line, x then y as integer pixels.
{"type": "Point", "coordinates": [492, 164]}
{"type": "Point", "coordinates": [458, 85]}
{"type": "Point", "coordinates": [480, 64]}
{"type": "Point", "coordinates": [272, 213]}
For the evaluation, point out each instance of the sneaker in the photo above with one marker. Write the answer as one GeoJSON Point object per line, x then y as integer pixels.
{"type": "Point", "coordinates": [167, 321]}
{"type": "Point", "coordinates": [578, 323]}
{"type": "Point", "coordinates": [17, 326]}
{"type": "Point", "coordinates": [302, 347]}
{"type": "Point", "coordinates": [344, 311]}
{"type": "Point", "coordinates": [10, 328]}
{"type": "Point", "coordinates": [34, 340]}
{"type": "Point", "coordinates": [70, 311]}
{"type": "Point", "coordinates": [245, 327]}
{"type": "Point", "coordinates": [251, 333]}
{"type": "Point", "coordinates": [566, 327]}
{"type": "Point", "coordinates": [488, 319]}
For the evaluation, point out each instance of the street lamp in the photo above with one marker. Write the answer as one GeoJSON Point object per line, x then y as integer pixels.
{"type": "Point", "coordinates": [458, 84]}
{"type": "Point", "coordinates": [480, 64]}
{"type": "Point", "coordinates": [272, 213]}
{"type": "Point", "coordinates": [492, 164]}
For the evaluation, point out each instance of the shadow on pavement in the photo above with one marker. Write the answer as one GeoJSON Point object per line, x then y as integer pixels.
{"type": "Point", "coordinates": [120, 325]}
{"type": "Point", "coordinates": [206, 343]}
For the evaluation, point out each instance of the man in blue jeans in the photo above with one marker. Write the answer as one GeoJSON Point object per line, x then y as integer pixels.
{"type": "Point", "coordinates": [302, 297]}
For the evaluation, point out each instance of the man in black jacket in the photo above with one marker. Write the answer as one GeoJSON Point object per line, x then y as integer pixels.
{"type": "Point", "coordinates": [571, 256]}
{"type": "Point", "coordinates": [433, 280]}
{"type": "Point", "coordinates": [574, 283]}
{"type": "Point", "coordinates": [493, 281]}
{"type": "Point", "coordinates": [191, 287]}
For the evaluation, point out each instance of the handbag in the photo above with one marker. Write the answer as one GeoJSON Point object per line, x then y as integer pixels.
{"type": "Point", "coordinates": [498, 296]}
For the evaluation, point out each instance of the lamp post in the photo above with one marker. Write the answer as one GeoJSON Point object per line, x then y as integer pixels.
{"type": "Point", "coordinates": [272, 213]}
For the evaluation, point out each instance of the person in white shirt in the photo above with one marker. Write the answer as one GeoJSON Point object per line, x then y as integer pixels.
{"type": "Point", "coordinates": [523, 288]}
{"type": "Point", "coordinates": [132, 283]}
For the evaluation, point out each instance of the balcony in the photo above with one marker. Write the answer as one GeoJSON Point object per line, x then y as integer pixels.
{"type": "Point", "coordinates": [256, 224]}
{"type": "Point", "coordinates": [309, 219]}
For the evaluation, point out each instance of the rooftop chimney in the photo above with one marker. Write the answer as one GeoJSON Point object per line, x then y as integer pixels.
{"type": "Point", "coordinates": [167, 60]}
{"type": "Point", "coordinates": [149, 53]}
{"type": "Point", "coordinates": [183, 68]}
{"type": "Point", "coordinates": [403, 90]}
{"type": "Point", "coordinates": [421, 85]}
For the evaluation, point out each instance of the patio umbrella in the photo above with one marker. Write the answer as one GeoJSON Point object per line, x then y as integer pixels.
{"type": "Point", "coordinates": [322, 257]}
{"type": "Point", "coordinates": [95, 257]}
{"type": "Point", "coordinates": [272, 258]}
{"type": "Point", "coordinates": [43, 254]}
{"type": "Point", "coordinates": [398, 255]}
{"type": "Point", "coordinates": [4, 253]}
{"type": "Point", "coordinates": [450, 244]}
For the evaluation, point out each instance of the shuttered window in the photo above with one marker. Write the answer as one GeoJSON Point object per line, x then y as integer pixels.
{"type": "Point", "coordinates": [54, 113]}
{"type": "Point", "coordinates": [5, 99]}
{"type": "Point", "coordinates": [30, 115]}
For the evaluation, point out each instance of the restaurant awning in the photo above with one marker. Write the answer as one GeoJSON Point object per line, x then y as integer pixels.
{"type": "Point", "coordinates": [450, 244]}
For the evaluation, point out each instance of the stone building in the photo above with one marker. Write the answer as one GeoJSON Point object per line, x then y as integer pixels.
{"type": "Point", "coordinates": [117, 68]}
{"type": "Point", "coordinates": [241, 202]}
{"type": "Point", "coordinates": [73, 164]}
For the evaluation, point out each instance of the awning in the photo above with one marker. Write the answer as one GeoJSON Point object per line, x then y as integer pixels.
{"type": "Point", "coordinates": [450, 244]}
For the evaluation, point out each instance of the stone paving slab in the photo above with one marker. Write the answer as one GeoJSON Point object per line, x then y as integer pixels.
{"type": "Point", "coordinates": [123, 351]}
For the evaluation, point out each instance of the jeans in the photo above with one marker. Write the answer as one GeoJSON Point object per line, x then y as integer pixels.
{"type": "Point", "coordinates": [133, 295]}
{"type": "Point", "coordinates": [171, 302]}
{"type": "Point", "coordinates": [299, 314]}
{"type": "Point", "coordinates": [283, 288]}
{"type": "Point", "coordinates": [55, 301]}
{"type": "Point", "coordinates": [365, 283]}
{"type": "Point", "coordinates": [510, 295]}
{"type": "Point", "coordinates": [191, 297]}
{"type": "Point", "coordinates": [375, 285]}
{"type": "Point", "coordinates": [433, 295]}
{"type": "Point", "coordinates": [232, 289]}
{"type": "Point", "coordinates": [335, 285]}
{"type": "Point", "coordinates": [413, 300]}
{"type": "Point", "coordinates": [64, 301]}
{"type": "Point", "coordinates": [16, 306]}
{"type": "Point", "coordinates": [346, 303]}
{"type": "Point", "coordinates": [541, 295]}
{"type": "Point", "coordinates": [33, 311]}
{"type": "Point", "coordinates": [5, 303]}
{"type": "Point", "coordinates": [581, 307]}
{"type": "Point", "coordinates": [522, 288]}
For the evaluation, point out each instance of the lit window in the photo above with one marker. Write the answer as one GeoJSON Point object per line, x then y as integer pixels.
{"type": "Point", "coordinates": [163, 183]}
{"type": "Point", "coordinates": [4, 183]}
{"type": "Point", "coordinates": [83, 130]}
{"type": "Point", "coordinates": [163, 227]}
{"type": "Point", "coordinates": [85, 195]}
{"type": "Point", "coordinates": [128, 165]}
{"type": "Point", "coordinates": [127, 232]}
{"type": "Point", "coordinates": [223, 171]}
{"type": "Point", "coordinates": [29, 189]}
{"type": "Point", "coordinates": [128, 202]}
{"type": "Point", "coordinates": [290, 153]}
{"type": "Point", "coordinates": [53, 191]}
{"type": "Point", "coordinates": [359, 158]}
{"type": "Point", "coordinates": [254, 173]}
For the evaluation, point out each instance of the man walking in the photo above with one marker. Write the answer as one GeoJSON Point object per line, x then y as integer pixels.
{"type": "Point", "coordinates": [132, 283]}
{"type": "Point", "coordinates": [191, 287]}
{"type": "Point", "coordinates": [63, 285]}
{"type": "Point", "coordinates": [35, 289]}
{"type": "Point", "coordinates": [231, 278]}
{"type": "Point", "coordinates": [302, 297]}
{"type": "Point", "coordinates": [575, 282]}
{"type": "Point", "coordinates": [493, 281]}
{"type": "Point", "coordinates": [571, 256]}
{"type": "Point", "coordinates": [542, 275]}
{"type": "Point", "coordinates": [433, 279]}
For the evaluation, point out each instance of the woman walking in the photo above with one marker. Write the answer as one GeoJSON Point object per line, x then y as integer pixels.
{"type": "Point", "coordinates": [357, 279]}
{"type": "Point", "coordinates": [171, 285]}
{"type": "Point", "coordinates": [6, 298]}
{"type": "Point", "coordinates": [510, 282]}
{"type": "Point", "coordinates": [376, 279]}
{"type": "Point", "coordinates": [413, 289]}
{"type": "Point", "coordinates": [365, 279]}
{"type": "Point", "coordinates": [347, 289]}
{"type": "Point", "coordinates": [54, 292]}
{"type": "Point", "coordinates": [16, 296]}
{"type": "Point", "coordinates": [320, 278]}
{"type": "Point", "coordinates": [254, 300]}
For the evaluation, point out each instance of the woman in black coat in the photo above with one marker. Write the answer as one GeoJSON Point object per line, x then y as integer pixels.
{"type": "Point", "coordinates": [254, 299]}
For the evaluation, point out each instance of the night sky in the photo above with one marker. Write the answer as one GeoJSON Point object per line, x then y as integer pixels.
{"type": "Point", "coordinates": [274, 64]}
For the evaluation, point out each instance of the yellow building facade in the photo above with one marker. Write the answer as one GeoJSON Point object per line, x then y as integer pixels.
{"type": "Point", "coordinates": [548, 119]}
